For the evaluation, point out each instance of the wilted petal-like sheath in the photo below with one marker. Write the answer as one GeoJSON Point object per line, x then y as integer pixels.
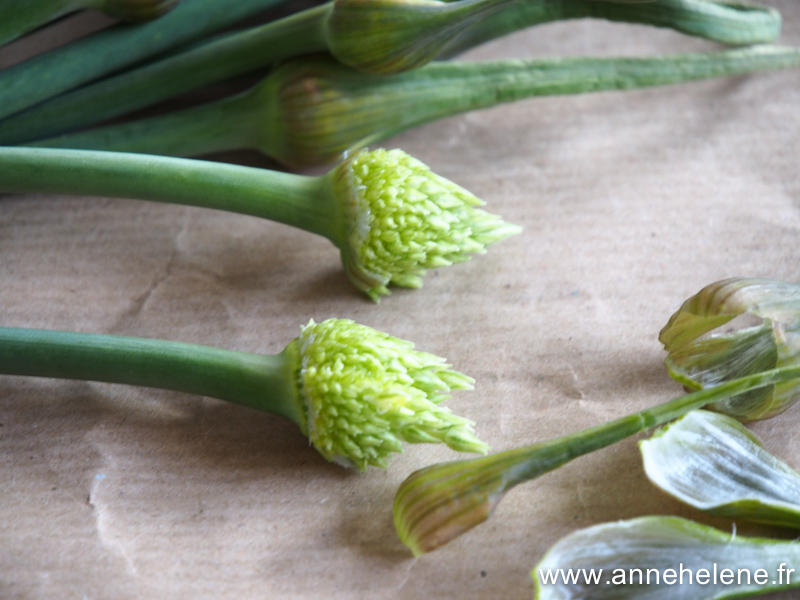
{"type": "Point", "coordinates": [698, 360]}
{"type": "Point", "coordinates": [664, 558]}
{"type": "Point", "coordinates": [714, 463]}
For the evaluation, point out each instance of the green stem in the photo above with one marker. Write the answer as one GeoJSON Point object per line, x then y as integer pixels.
{"type": "Point", "coordinates": [232, 55]}
{"type": "Point", "coordinates": [296, 200]}
{"type": "Point", "coordinates": [306, 32]}
{"type": "Point", "coordinates": [18, 18]}
{"type": "Point", "coordinates": [438, 503]}
{"type": "Point", "coordinates": [89, 58]}
{"type": "Point", "coordinates": [264, 382]}
{"type": "Point", "coordinates": [529, 462]}
{"type": "Point", "coordinates": [453, 88]}
{"type": "Point", "coordinates": [227, 124]}
{"type": "Point", "coordinates": [724, 22]}
{"type": "Point", "coordinates": [311, 111]}
{"type": "Point", "coordinates": [571, 446]}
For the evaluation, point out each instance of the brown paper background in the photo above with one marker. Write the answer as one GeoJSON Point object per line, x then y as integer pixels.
{"type": "Point", "coordinates": [630, 203]}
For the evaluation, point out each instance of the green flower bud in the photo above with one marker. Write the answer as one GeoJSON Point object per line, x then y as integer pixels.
{"type": "Point", "coordinates": [363, 392]}
{"type": "Point", "coordinates": [390, 36]}
{"type": "Point", "coordinates": [698, 360]}
{"type": "Point", "coordinates": [402, 219]}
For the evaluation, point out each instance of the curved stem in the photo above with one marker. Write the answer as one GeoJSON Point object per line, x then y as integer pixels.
{"type": "Point", "coordinates": [314, 110]}
{"type": "Point", "coordinates": [724, 22]}
{"type": "Point", "coordinates": [18, 18]}
{"type": "Point", "coordinates": [438, 503]}
{"type": "Point", "coordinates": [232, 55]}
{"type": "Point", "coordinates": [306, 32]}
{"type": "Point", "coordinates": [296, 200]}
{"type": "Point", "coordinates": [89, 58]}
{"type": "Point", "coordinates": [264, 382]}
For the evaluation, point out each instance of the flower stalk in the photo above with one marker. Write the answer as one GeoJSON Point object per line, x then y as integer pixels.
{"type": "Point", "coordinates": [18, 18]}
{"type": "Point", "coordinates": [312, 31]}
{"type": "Point", "coordinates": [89, 58]}
{"type": "Point", "coordinates": [422, 31]}
{"type": "Point", "coordinates": [389, 215]}
{"type": "Point", "coordinates": [357, 393]}
{"type": "Point", "coordinates": [436, 504]}
{"type": "Point", "coordinates": [665, 558]}
{"type": "Point", "coordinates": [713, 463]}
{"type": "Point", "coordinates": [311, 111]}
{"type": "Point", "coordinates": [720, 21]}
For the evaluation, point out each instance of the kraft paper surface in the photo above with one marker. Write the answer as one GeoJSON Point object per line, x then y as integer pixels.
{"type": "Point", "coordinates": [630, 203]}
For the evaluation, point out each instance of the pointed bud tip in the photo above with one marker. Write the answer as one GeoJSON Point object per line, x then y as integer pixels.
{"type": "Point", "coordinates": [364, 391]}
{"type": "Point", "coordinates": [405, 219]}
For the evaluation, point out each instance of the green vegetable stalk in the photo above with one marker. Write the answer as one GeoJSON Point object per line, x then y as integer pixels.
{"type": "Point", "coordinates": [712, 462]}
{"type": "Point", "coordinates": [664, 558]}
{"type": "Point", "coordinates": [319, 29]}
{"type": "Point", "coordinates": [18, 18]}
{"type": "Point", "coordinates": [390, 217]}
{"type": "Point", "coordinates": [310, 111]}
{"type": "Point", "coordinates": [357, 393]}
{"type": "Point", "coordinates": [438, 503]}
{"type": "Point", "coordinates": [360, 38]}
{"type": "Point", "coordinates": [89, 58]}
{"type": "Point", "coordinates": [725, 22]}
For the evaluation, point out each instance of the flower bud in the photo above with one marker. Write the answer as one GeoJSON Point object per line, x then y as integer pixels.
{"type": "Point", "coordinates": [402, 219]}
{"type": "Point", "coordinates": [390, 36]}
{"type": "Point", "coordinates": [363, 392]}
{"type": "Point", "coordinates": [699, 357]}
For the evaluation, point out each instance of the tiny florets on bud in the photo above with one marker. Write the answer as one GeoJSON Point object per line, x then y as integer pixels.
{"type": "Point", "coordinates": [405, 219]}
{"type": "Point", "coordinates": [700, 358]}
{"type": "Point", "coordinates": [365, 392]}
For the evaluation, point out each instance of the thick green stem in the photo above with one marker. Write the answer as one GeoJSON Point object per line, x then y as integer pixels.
{"type": "Point", "coordinates": [452, 88]}
{"type": "Point", "coordinates": [232, 55]}
{"type": "Point", "coordinates": [18, 18]}
{"type": "Point", "coordinates": [311, 111]}
{"type": "Point", "coordinates": [231, 123]}
{"type": "Point", "coordinates": [438, 503]}
{"type": "Point", "coordinates": [89, 58]}
{"type": "Point", "coordinates": [264, 382]}
{"type": "Point", "coordinates": [306, 32]}
{"type": "Point", "coordinates": [725, 22]}
{"type": "Point", "coordinates": [215, 127]}
{"type": "Point", "coordinates": [296, 200]}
